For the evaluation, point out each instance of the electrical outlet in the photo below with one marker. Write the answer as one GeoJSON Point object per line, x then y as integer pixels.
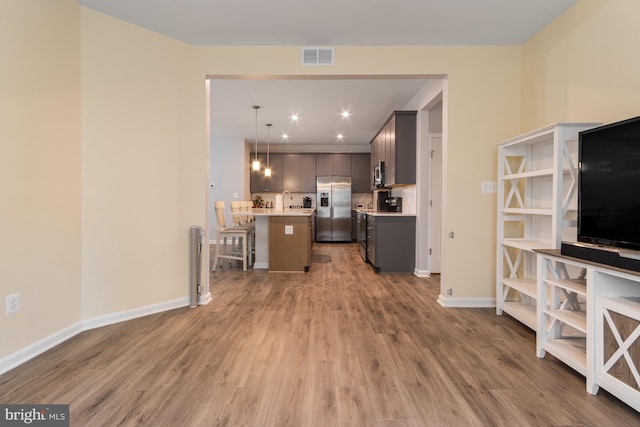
{"type": "Point", "coordinates": [489, 187]}
{"type": "Point", "coordinates": [12, 303]}
{"type": "Point", "coordinates": [288, 229]}
{"type": "Point", "coordinates": [234, 195]}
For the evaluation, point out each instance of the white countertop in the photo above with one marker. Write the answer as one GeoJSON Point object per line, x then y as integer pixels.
{"type": "Point", "coordinates": [286, 212]}
{"type": "Point", "coordinates": [373, 212]}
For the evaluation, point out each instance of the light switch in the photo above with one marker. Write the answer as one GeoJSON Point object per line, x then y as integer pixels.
{"type": "Point", "coordinates": [288, 229]}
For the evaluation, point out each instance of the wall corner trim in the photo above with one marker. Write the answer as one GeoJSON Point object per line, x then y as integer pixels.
{"type": "Point", "coordinates": [205, 299]}
{"type": "Point", "coordinates": [421, 273]}
{"type": "Point", "coordinates": [466, 302]}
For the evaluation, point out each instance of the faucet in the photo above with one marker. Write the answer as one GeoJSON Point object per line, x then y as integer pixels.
{"type": "Point", "coordinates": [281, 195]}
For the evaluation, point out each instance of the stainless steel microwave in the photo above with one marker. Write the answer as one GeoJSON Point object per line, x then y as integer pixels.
{"type": "Point", "coordinates": [378, 174]}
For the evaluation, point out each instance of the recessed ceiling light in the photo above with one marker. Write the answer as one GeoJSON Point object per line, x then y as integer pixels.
{"type": "Point", "coordinates": [295, 117]}
{"type": "Point", "coordinates": [340, 136]}
{"type": "Point", "coordinates": [285, 136]}
{"type": "Point", "coordinates": [346, 114]}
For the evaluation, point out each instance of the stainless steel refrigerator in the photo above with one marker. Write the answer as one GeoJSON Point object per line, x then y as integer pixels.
{"type": "Point", "coordinates": [333, 209]}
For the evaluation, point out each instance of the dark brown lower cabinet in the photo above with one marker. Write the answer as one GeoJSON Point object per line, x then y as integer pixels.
{"type": "Point", "coordinates": [391, 243]}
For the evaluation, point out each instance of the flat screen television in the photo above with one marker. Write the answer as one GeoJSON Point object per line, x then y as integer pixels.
{"type": "Point", "coordinates": [609, 185]}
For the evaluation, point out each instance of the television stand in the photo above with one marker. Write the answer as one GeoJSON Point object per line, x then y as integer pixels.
{"type": "Point", "coordinates": [590, 320]}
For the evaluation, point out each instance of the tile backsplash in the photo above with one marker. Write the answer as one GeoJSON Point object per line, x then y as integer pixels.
{"type": "Point", "coordinates": [363, 199]}
{"type": "Point", "coordinates": [295, 199]}
{"type": "Point", "coordinates": [290, 199]}
{"type": "Point", "coordinates": [407, 193]}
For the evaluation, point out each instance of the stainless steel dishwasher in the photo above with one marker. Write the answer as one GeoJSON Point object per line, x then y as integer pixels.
{"type": "Point", "coordinates": [371, 239]}
{"type": "Point", "coordinates": [362, 234]}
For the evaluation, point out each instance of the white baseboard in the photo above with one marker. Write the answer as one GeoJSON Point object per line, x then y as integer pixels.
{"type": "Point", "coordinates": [29, 352]}
{"type": "Point", "coordinates": [422, 273]}
{"type": "Point", "coordinates": [121, 316]}
{"type": "Point", "coordinates": [466, 302]}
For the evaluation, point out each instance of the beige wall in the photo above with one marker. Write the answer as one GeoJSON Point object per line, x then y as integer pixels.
{"type": "Point", "coordinates": [584, 66]}
{"type": "Point", "coordinates": [144, 165]}
{"type": "Point", "coordinates": [39, 168]}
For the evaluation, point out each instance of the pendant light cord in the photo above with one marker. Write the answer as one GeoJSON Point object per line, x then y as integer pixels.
{"type": "Point", "coordinates": [255, 107]}
{"type": "Point", "coordinates": [268, 127]}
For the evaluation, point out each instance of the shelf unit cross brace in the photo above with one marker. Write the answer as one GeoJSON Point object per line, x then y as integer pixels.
{"type": "Point", "coordinates": [513, 267]}
{"type": "Point", "coordinates": [513, 190]}
{"type": "Point", "coordinates": [623, 349]}
{"type": "Point", "coordinates": [573, 171]}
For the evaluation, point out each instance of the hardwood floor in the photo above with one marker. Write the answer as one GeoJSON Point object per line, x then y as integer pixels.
{"type": "Point", "coordinates": [338, 346]}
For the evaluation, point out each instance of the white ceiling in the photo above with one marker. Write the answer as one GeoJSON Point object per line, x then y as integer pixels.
{"type": "Point", "coordinates": [327, 23]}
{"type": "Point", "coordinates": [319, 103]}
{"type": "Point", "coordinates": [339, 22]}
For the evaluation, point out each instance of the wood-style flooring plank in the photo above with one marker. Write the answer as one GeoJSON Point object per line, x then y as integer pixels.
{"type": "Point", "coordinates": [338, 346]}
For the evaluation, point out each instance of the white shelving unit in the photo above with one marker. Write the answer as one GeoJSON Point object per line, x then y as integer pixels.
{"type": "Point", "coordinates": [537, 183]}
{"type": "Point", "coordinates": [562, 316]}
{"type": "Point", "coordinates": [585, 314]}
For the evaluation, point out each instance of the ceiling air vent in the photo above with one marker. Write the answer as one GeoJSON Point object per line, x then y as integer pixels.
{"type": "Point", "coordinates": [317, 56]}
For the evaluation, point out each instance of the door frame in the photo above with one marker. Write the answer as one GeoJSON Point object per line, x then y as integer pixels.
{"type": "Point", "coordinates": [435, 203]}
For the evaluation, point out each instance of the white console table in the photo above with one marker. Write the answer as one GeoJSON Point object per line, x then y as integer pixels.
{"type": "Point", "coordinates": [588, 316]}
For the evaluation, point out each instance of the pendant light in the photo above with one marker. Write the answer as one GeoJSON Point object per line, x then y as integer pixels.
{"type": "Point", "coordinates": [267, 170]}
{"type": "Point", "coordinates": [256, 162]}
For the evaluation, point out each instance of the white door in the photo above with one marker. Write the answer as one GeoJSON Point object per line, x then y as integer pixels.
{"type": "Point", "coordinates": [435, 204]}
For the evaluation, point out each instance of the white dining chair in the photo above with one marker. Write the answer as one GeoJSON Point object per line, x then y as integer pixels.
{"type": "Point", "coordinates": [234, 242]}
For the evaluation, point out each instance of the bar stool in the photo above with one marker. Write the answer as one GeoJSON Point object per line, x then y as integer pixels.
{"type": "Point", "coordinates": [236, 213]}
{"type": "Point", "coordinates": [241, 240]}
{"type": "Point", "coordinates": [241, 212]}
{"type": "Point", "coordinates": [245, 209]}
{"type": "Point", "coordinates": [249, 220]}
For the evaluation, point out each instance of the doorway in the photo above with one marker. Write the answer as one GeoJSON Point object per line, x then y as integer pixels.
{"type": "Point", "coordinates": [428, 100]}
{"type": "Point", "coordinates": [431, 157]}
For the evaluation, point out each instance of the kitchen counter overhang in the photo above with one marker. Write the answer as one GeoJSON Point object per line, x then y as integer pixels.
{"type": "Point", "coordinates": [383, 213]}
{"type": "Point", "coordinates": [287, 212]}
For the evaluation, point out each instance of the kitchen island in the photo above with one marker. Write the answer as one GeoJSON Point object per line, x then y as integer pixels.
{"type": "Point", "coordinates": [283, 239]}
